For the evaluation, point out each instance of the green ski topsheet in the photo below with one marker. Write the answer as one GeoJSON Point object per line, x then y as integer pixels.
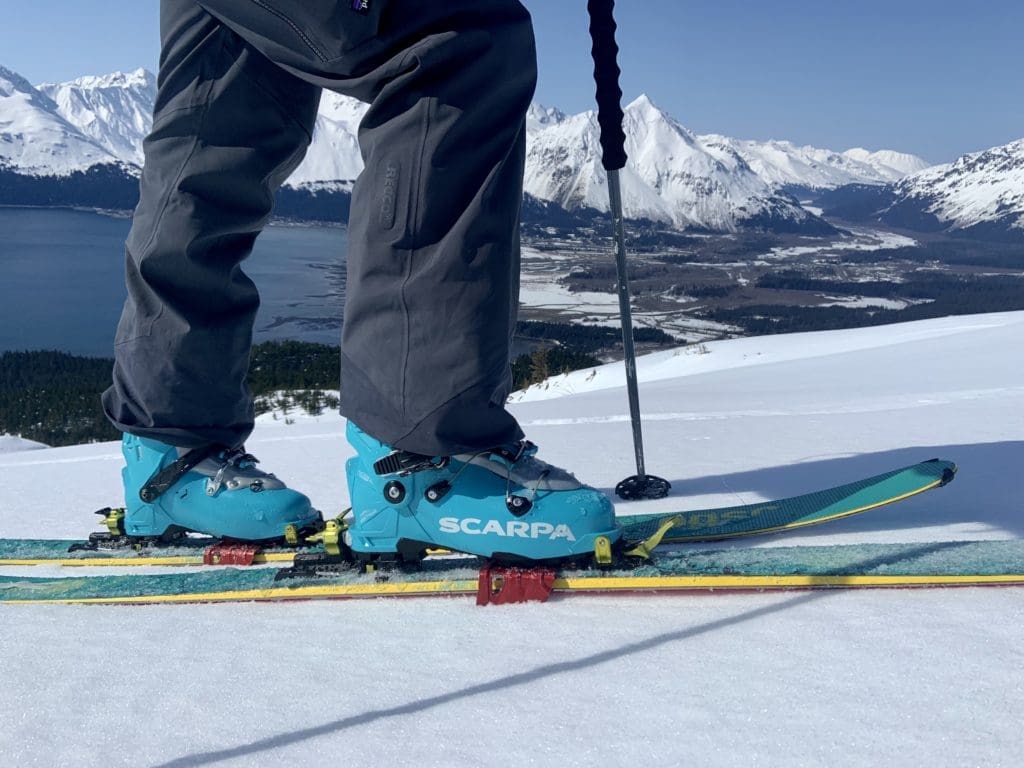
{"type": "Point", "coordinates": [696, 525]}
{"type": "Point", "coordinates": [798, 511]}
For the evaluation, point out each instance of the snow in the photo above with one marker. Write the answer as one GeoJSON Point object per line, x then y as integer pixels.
{"type": "Point", "coordinates": [822, 678]}
{"type": "Point", "coordinates": [889, 163]}
{"type": "Point", "coordinates": [735, 354]}
{"type": "Point", "coordinates": [860, 302]}
{"type": "Point", "coordinates": [671, 176]}
{"type": "Point", "coordinates": [334, 152]}
{"type": "Point", "coordinates": [856, 239]}
{"type": "Point", "coordinates": [34, 138]}
{"type": "Point", "coordinates": [784, 163]}
{"type": "Point", "coordinates": [12, 443]}
{"type": "Point", "coordinates": [543, 289]}
{"type": "Point", "coordinates": [114, 110]}
{"type": "Point", "coordinates": [538, 117]}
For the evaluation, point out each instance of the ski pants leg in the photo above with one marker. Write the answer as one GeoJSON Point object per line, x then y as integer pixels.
{"type": "Point", "coordinates": [433, 260]}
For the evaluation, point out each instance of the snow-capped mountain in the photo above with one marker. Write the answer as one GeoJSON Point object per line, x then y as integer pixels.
{"type": "Point", "coordinates": [784, 164]}
{"type": "Point", "coordinates": [539, 117]}
{"type": "Point", "coordinates": [670, 179]}
{"type": "Point", "coordinates": [334, 154]}
{"type": "Point", "coordinates": [890, 164]}
{"type": "Point", "coordinates": [671, 176]}
{"type": "Point", "coordinates": [981, 192]}
{"type": "Point", "coordinates": [709, 182]}
{"type": "Point", "coordinates": [35, 139]}
{"type": "Point", "coordinates": [115, 110]}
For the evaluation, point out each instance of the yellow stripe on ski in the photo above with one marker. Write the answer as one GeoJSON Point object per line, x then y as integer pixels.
{"type": "Point", "coordinates": [599, 584]}
{"type": "Point", "coordinates": [713, 582]}
{"type": "Point", "coordinates": [309, 592]}
{"type": "Point", "coordinates": [262, 558]}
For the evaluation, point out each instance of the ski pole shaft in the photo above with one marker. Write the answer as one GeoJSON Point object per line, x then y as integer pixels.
{"type": "Point", "coordinates": [613, 157]}
{"type": "Point", "coordinates": [626, 316]}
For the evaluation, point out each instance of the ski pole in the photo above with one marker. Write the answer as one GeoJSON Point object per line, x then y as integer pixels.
{"type": "Point", "coordinates": [613, 158]}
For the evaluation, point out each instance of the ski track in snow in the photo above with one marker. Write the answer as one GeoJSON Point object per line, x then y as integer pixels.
{"type": "Point", "coordinates": [934, 399]}
{"type": "Point", "coordinates": [844, 678]}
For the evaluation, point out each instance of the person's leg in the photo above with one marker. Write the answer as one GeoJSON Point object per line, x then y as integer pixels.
{"type": "Point", "coordinates": [433, 260]}
{"type": "Point", "coordinates": [229, 126]}
{"type": "Point", "coordinates": [434, 251]}
{"type": "Point", "coordinates": [433, 283]}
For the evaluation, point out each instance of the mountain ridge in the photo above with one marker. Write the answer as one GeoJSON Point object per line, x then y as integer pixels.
{"type": "Point", "coordinates": [36, 138]}
{"type": "Point", "coordinates": [979, 195]}
{"type": "Point", "coordinates": [674, 178]}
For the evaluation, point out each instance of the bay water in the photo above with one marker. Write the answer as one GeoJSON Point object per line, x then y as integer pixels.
{"type": "Point", "coordinates": [62, 281]}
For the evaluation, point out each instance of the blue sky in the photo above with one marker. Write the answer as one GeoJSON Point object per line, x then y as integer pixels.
{"type": "Point", "coordinates": [936, 77]}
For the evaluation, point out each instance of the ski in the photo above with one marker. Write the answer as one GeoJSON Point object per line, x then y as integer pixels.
{"type": "Point", "coordinates": [937, 564]}
{"type": "Point", "coordinates": [690, 526]}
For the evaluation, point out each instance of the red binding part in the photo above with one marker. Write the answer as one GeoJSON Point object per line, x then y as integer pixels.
{"type": "Point", "coordinates": [499, 585]}
{"type": "Point", "coordinates": [230, 554]}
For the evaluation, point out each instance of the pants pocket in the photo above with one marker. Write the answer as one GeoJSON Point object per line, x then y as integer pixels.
{"type": "Point", "coordinates": [330, 29]}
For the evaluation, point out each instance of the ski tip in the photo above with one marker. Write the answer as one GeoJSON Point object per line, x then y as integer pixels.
{"type": "Point", "coordinates": [948, 473]}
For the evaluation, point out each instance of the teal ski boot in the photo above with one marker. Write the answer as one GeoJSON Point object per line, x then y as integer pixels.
{"type": "Point", "coordinates": [210, 490]}
{"type": "Point", "coordinates": [503, 504]}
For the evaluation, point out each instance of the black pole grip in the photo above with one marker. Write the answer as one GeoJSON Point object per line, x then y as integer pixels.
{"type": "Point", "coordinates": [606, 76]}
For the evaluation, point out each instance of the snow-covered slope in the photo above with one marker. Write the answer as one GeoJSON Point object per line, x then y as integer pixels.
{"type": "Point", "coordinates": [671, 176]}
{"type": "Point", "coordinates": [539, 117]}
{"type": "Point", "coordinates": [733, 354]}
{"type": "Point", "coordinates": [890, 165]}
{"type": "Point", "coordinates": [982, 191]}
{"type": "Point", "coordinates": [35, 139]}
{"type": "Point", "coordinates": [115, 110]}
{"type": "Point", "coordinates": [718, 679]}
{"type": "Point", "coordinates": [12, 443]}
{"type": "Point", "coordinates": [782, 163]}
{"type": "Point", "coordinates": [334, 154]}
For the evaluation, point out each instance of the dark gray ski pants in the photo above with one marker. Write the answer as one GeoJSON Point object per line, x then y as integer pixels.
{"type": "Point", "coordinates": [433, 260]}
